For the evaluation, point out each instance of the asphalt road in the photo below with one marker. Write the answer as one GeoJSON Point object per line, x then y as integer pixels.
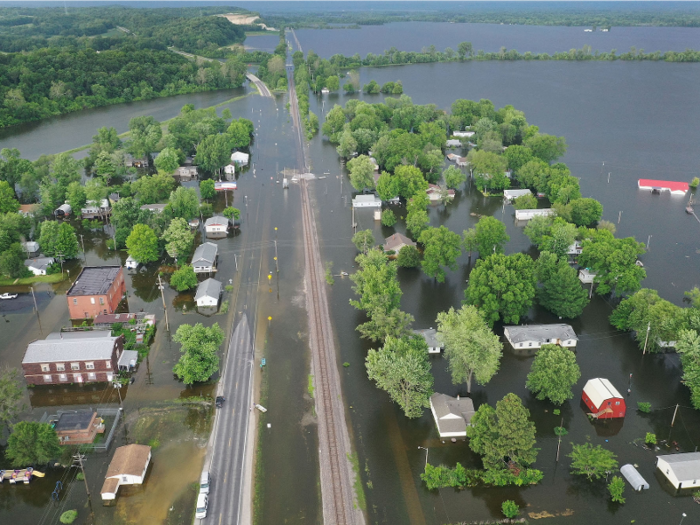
{"type": "Point", "coordinates": [264, 91]}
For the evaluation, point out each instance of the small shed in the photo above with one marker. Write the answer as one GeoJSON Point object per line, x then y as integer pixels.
{"type": "Point", "coordinates": [128, 360]}
{"type": "Point", "coordinates": [526, 215]}
{"type": "Point", "coordinates": [63, 210]}
{"type": "Point", "coordinates": [682, 470]}
{"type": "Point", "coordinates": [39, 265]}
{"type": "Point", "coordinates": [586, 276]}
{"type": "Point", "coordinates": [239, 158]}
{"type": "Point", "coordinates": [430, 336]}
{"type": "Point", "coordinates": [633, 477]}
{"type": "Point", "coordinates": [452, 415]}
{"type": "Point", "coordinates": [208, 293]}
{"type": "Point", "coordinates": [128, 467]}
{"type": "Point", "coordinates": [367, 201]}
{"type": "Point", "coordinates": [131, 263]}
{"type": "Point", "coordinates": [603, 399]}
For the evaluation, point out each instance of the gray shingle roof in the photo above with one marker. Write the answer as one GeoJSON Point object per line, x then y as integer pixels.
{"type": "Point", "coordinates": [94, 280]}
{"type": "Point", "coordinates": [205, 253]}
{"type": "Point", "coordinates": [208, 288]}
{"type": "Point", "coordinates": [685, 466]}
{"type": "Point", "coordinates": [39, 263]}
{"type": "Point", "coordinates": [216, 219]}
{"type": "Point", "coordinates": [445, 406]}
{"type": "Point", "coordinates": [430, 336]}
{"type": "Point", "coordinates": [539, 332]}
{"type": "Point", "coordinates": [396, 240]}
{"type": "Point", "coordinates": [73, 346]}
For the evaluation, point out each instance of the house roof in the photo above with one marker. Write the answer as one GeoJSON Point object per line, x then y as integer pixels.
{"type": "Point", "coordinates": [366, 198]}
{"type": "Point", "coordinates": [71, 346]}
{"type": "Point", "coordinates": [454, 142]}
{"type": "Point", "coordinates": [208, 288]}
{"type": "Point", "coordinates": [514, 194]}
{"type": "Point", "coordinates": [39, 263]}
{"type": "Point", "coordinates": [128, 357]}
{"type": "Point", "coordinates": [539, 332]}
{"type": "Point", "coordinates": [225, 185]}
{"type": "Point", "coordinates": [110, 486]}
{"type": "Point", "coordinates": [94, 280]}
{"type": "Point", "coordinates": [130, 460]}
{"type": "Point", "coordinates": [453, 414]}
{"type": "Point", "coordinates": [685, 466]}
{"type": "Point", "coordinates": [396, 240]}
{"type": "Point", "coordinates": [76, 420]}
{"type": "Point", "coordinates": [154, 207]}
{"type": "Point", "coordinates": [216, 220]}
{"type": "Point", "coordinates": [600, 389]}
{"type": "Point", "coordinates": [430, 336]}
{"type": "Point", "coordinates": [27, 209]}
{"type": "Point", "coordinates": [671, 185]}
{"type": "Point", "coordinates": [239, 156]}
{"type": "Point", "coordinates": [30, 246]}
{"type": "Point", "coordinates": [206, 253]}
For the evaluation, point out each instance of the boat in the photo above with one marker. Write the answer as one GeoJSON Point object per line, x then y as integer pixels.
{"type": "Point", "coordinates": [261, 408]}
{"type": "Point", "coordinates": [8, 296]}
{"type": "Point", "coordinates": [23, 475]}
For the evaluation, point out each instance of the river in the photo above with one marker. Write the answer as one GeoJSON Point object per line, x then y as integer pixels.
{"type": "Point", "coordinates": [638, 118]}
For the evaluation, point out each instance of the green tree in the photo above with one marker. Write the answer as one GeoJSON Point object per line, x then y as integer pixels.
{"type": "Point", "coordinates": [145, 133]}
{"type": "Point", "coordinates": [32, 443]}
{"type": "Point", "coordinates": [361, 172]}
{"type": "Point", "coordinates": [472, 350]}
{"type": "Point", "coordinates": [469, 241]}
{"type": "Point", "coordinates": [168, 160]}
{"type": "Point", "coordinates": [688, 346]}
{"type": "Point", "coordinates": [12, 262]}
{"type": "Point", "coordinates": [13, 167]}
{"type": "Point", "coordinates": [347, 145]}
{"type": "Point", "coordinates": [410, 181]}
{"type": "Point", "coordinates": [546, 147]}
{"type": "Point", "coordinates": [179, 239]}
{"type": "Point", "coordinates": [363, 240]}
{"type": "Point", "coordinates": [154, 188]}
{"type": "Point", "coordinates": [75, 193]}
{"type": "Point", "coordinates": [200, 345]}
{"type": "Point", "coordinates": [239, 134]}
{"type": "Point", "coordinates": [464, 49]}
{"type": "Point", "coordinates": [183, 278]}
{"type": "Point", "coordinates": [491, 236]}
{"type": "Point", "coordinates": [402, 369]}
{"type": "Point", "coordinates": [231, 213]}
{"type": "Point", "coordinates": [11, 395]}
{"type": "Point", "coordinates": [504, 433]}
{"type": "Point", "coordinates": [387, 186]}
{"type": "Point", "coordinates": [554, 371]}
{"type": "Point", "coordinates": [489, 170]}
{"type": "Point", "coordinates": [207, 189]}
{"type": "Point", "coordinates": [525, 202]}
{"type": "Point", "coordinates": [142, 244]}
{"type": "Point", "coordinates": [538, 229]}
{"type": "Point", "coordinates": [333, 83]}
{"type": "Point", "coordinates": [441, 248]}
{"type": "Point", "coordinates": [8, 203]}
{"type": "Point", "coordinates": [616, 487]}
{"type": "Point", "coordinates": [58, 240]}
{"type": "Point", "coordinates": [510, 509]}
{"type": "Point", "coordinates": [454, 177]}
{"type": "Point", "coordinates": [388, 218]}
{"type": "Point", "coordinates": [561, 292]}
{"type": "Point", "coordinates": [517, 156]}
{"type": "Point", "coordinates": [586, 212]}
{"type": "Point", "coordinates": [592, 462]}
{"type": "Point", "coordinates": [614, 261]}
{"type": "Point", "coordinates": [68, 517]}
{"type": "Point", "coordinates": [408, 257]}
{"type": "Point", "coordinates": [333, 126]}
{"type": "Point", "coordinates": [184, 202]}
{"type": "Point", "coordinates": [502, 287]}
{"type": "Point", "coordinates": [214, 152]}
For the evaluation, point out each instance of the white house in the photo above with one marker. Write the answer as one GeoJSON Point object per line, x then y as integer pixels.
{"type": "Point", "coordinates": [463, 134]}
{"type": "Point", "coordinates": [216, 227]}
{"type": "Point", "coordinates": [225, 185]}
{"type": "Point", "coordinates": [454, 143]}
{"type": "Point", "coordinates": [131, 263]}
{"type": "Point", "coordinates": [511, 195]}
{"type": "Point", "coordinates": [462, 162]}
{"type": "Point", "coordinates": [395, 242]}
{"type": "Point", "coordinates": [682, 470]}
{"type": "Point", "coordinates": [575, 249]}
{"type": "Point", "coordinates": [208, 293]}
{"type": "Point", "coordinates": [452, 415]}
{"type": "Point", "coordinates": [186, 172]}
{"type": "Point", "coordinates": [94, 209]}
{"type": "Point", "coordinates": [39, 265]}
{"type": "Point", "coordinates": [536, 335]}
{"type": "Point", "coordinates": [586, 276]}
{"type": "Point", "coordinates": [230, 169]}
{"type": "Point", "coordinates": [204, 257]}
{"type": "Point", "coordinates": [128, 467]}
{"type": "Point", "coordinates": [430, 336]}
{"type": "Point", "coordinates": [30, 247]}
{"type": "Point", "coordinates": [526, 215]}
{"type": "Point", "coordinates": [64, 210]}
{"type": "Point", "coordinates": [367, 201]}
{"type": "Point", "coordinates": [434, 193]}
{"type": "Point", "coordinates": [155, 208]}
{"type": "Point", "coordinates": [325, 91]}
{"type": "Point", "coordinates": [239, 158]}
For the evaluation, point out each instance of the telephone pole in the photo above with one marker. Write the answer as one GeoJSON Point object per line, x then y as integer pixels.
{"type": "Point", "coordinates": [79, 458]}
{"type": "Point", "coordinates": [647, 340]}
{"type": "Point", "coordinates": [276, 262]}
{"type": "Point", "coordinates": [162, 295]}
{"type": "Point", "coordinates": [83, 245]}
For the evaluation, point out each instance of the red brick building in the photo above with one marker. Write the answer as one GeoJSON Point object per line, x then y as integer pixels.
{"type": "Point", "coordinates": [97, 290]}
{"type": "Point", "coordinates": [73, 357]}
{"type": "Point", "coordinates": [78, 427]}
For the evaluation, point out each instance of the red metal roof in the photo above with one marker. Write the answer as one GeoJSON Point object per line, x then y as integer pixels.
{"type": "Point", "coordinates": [673, 186]}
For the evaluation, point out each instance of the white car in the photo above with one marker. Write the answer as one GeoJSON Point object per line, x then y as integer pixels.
{"type": "Point", "coordinates": [204, 483]}
{"type": "Point", "coordinates": [202, 504]}
{"type": "Point", "coordinates": [8, 296]}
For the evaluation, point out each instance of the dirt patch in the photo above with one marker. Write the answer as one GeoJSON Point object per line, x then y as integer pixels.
{"type": "Point", "coordinates": [244, 20]}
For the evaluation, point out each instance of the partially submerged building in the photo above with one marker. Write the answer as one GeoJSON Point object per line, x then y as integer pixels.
{"type": "Point", "coordinates": [216, 227]}
{"type": "Point", "coordinates": [603, 400]}
{"type": "Point", "coordinates": [395, 242]}
{"type": "Point", "coordinates": [526, 215]}
{"type": "Point", "coordinates": [367, 201]}
{"type": "Point", "coordinates": [128, 467]}
{"type": "Point", "coordinates": [97, 290]}
{"type": "Point", "coordinates": [39, 265]}
{"type": "Point", "coordinates": [536, 335]}
{"type": "Point", "coordinates": [204, 258]}
{"type": "Point", "coordinates": [681, 470]}
{"type": "Point", "coordinates": [452, 415]}
{"type": "Point", "coordinates": [78, 427]}
{"type": "Point", "coordinates": [208, 293]}
{"type": "Point", "coordinates": [431, 339]}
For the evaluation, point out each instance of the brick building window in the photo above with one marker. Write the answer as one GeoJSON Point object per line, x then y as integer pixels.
{"type": "Point", "coordinates": [92, 376]}
{"type": "Point", "coordinates": [90, 365]}
{"type": "Point", "coordinates": [47, 378]}
{"type": "Point", "coordinates": [92, 300]}
{"type": "Point", "coordinates": [63, 377]}
{"type": "Point", "coordinates": [60, 367]}
{"type": "Point", "coordinates": [45, 368]}
{"type": "Point", "coordinates": [108, 364]}
{"type": "Point", "coordinates": [75, 366]}
{"type": "Point", "coordinates": [102, 301]}
{"type": "Point", "coordinates": [75, 301]}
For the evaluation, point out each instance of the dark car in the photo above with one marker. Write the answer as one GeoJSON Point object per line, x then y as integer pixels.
{"type": "Point", "coordinates": [220, 401]}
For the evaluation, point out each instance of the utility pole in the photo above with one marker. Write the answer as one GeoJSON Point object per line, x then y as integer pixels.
{"type": "Point", "coordinates": [235, 260]}
{"type": "Point", "coordinates": [162, 295]}
{"type": "Point", "coordinates": [83, 245]}
{"type": "Point", "coordinates": [646, 340]}
{"type": "Point", "coordinates": [674, 415]}
{"type": "Point", "coordinates": [36, 309]}
{"type": "Point", "coordinates": [648, 241]}
{"type": "Point", "coordinates": [561, 427]}
{"type": "Point", "coordinates": [276, 262]}
{"type": "Point", "coordinates": [79, 458]}
{"type": "Point", "coordinates": [619, 217]}
{"type": "Point", "coordinates": [608, 178]}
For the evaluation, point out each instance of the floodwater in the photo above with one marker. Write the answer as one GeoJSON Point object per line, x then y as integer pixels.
{"type": "Point", "coordinates": [414, 36]}
{"type": "Point", "coordinates": [638, 118]}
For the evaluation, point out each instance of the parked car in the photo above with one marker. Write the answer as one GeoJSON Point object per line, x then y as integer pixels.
{"type": "Point", "coordinates": [8, 296]}
{"type": "Point", "coordinates": [202, 504]}
{"type": "Point", "coordinates": [220, 401]}
{"type": "Point", "coordinates": [204, 483]}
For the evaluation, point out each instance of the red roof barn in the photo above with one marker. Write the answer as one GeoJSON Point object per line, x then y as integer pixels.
{"type": "Point", "coordinates": [603, 399]}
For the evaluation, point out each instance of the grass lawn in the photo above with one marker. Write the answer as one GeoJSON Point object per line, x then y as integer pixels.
{"type": "Point", "coordinates": [55, 278]}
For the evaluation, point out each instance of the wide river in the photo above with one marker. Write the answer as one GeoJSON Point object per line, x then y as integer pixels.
{"type": "Point", "coordinates": [631, 120]}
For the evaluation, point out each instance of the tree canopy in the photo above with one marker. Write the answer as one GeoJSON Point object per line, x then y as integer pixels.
{"type": "Point", "coordinates": [142, 244]}
{"type": "Point", "coordinates": [442, 247]}
{"type": "Point", "coordinates": [592, 462]}
{"type": "Point", "coordinates": [200, 345]}
{"type": "Point", "coordinates": [554, 371]}
{"type": "Point", "coordinates": [491, 236]}
{"type": "Point", "coordinates": [32, 443]}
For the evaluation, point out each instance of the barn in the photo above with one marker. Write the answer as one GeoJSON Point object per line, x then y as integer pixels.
{"type": "Point", "coordinates": [603, 400]}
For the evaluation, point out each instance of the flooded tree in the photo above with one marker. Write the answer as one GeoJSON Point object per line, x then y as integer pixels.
{"type": "Point", "coordinates": [32, 443]}
{"type": "Point", "coordinates": [441, 248]}
{"type": "Point", "coordinates": [200, 345]}
{"type": "Point", "coordinates": [554, 371]}
{"type": "Point", "coordinates": [592, 462]}
{"type": "Point", "coordinates": [11, 394]}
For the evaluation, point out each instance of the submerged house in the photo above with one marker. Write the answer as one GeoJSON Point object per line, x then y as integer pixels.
{"type": "Point", "coordinates": [216, 227]}
{"type": "Point", "coordinates": [395, 242]}
{"type": "Point", "coordinates": [39, 265]}
{"type": "Point", "coordinates": [603, 399]}
{"type": "Point", "coordinates": [452, 415]}
{"type": "Point", "coordinates": [208, 293]}
{"type": "Point", "coordinates": [204, 258]}
{"type": "Point", "coordinates": [681, 470]}
{"type": "Point", "coordinates": [128, 467]}
{"type": "Point", "coordinates": [367, 201]}
{"type": "Point", "coordinates": [185, 173]}
{"type": "Point", "coordinates": [536, 335]}
{"type": "Point", "coordinates": [526, 215]}
{"type": "Point", "coordinates": [96, 210]}
{"type": "Point", "coordinates": [511, 195]}
{"type": "Point", "coordinates": [430, 336]}
{"type": "Point", "coordinates": [239, 158]}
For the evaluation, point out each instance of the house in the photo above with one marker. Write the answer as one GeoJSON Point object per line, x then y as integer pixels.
{"type": "Point", "coordinates": [63, 211]}
{"type": "Point", "coordinates": [434, 193]}
{"type": "Point", "coordinates": [586, 276]}
{"type": "Point", "coordinates": [78, 427]}
{"type": "Point", "coordinates": [682, 470]}
{"type": "Point", "coordinates": [657, 186]}
{"type": "Point", "coordinates": [31, 247]}
{"type": "Point", "coordinates": [452, 415]}
{"type": "Point", "coordinates": [536, 335]}
{"type": "Point", "coordinates": [131, 162]}
{"type": "Point", "coordinates": [452, 156]}
{"type": "Point", "coordinates": [72, 357]}
{"type": "Point", "coordinates": [239, 158]}
{"type": "Point", "coordinates": [575, 249]}
{"type": "Point", "coordinates": [395, 242]}
{"type": "Point", "coordinates": [225, 185]}
{"type": "Point", "coordinates": [603, 399]}
{"type": "Point", "coordinates": [128, 467]}
{"type": "Point", "coordinates": [194, 223]}
{"type": "Point", "coordinates": [325, 91]}
{"type": "Point", "coordinates": [230, 169]}
{"type": "Point", "coordinates": [454, 143]}
{"type": "Point", "coordinates": [185, 173]}
{"type": "Point", "coordinates": [216, 227]}
{"type": "Point", "coordinates": [131, 263]}
{"type": "Point", "coordinates": [374, 163]}
{"type": "Point", "coordinates": [97, 290]}
{"type": "Point", "coordinates": [39, 265]}
{"type": "Point", "coordinates": [462, 162]}
{"type": "Point", "coordinates": [208, 293]}
{"type": "Point", "coordinates": [430, 336]}
{"type": "Point", "coordinates": [128, 360]}
{"type": "Point", "coordinates": [155, 208]}
{"type": "Point", "coordinates": [27, 210]}
{"type": "Point", "coordinates": [511, 195]}
{"type": "Point", "coordinates": [95, 210]}
{"type": "Point", "coordinates": [204, 258]}
{"type": "Point", "coordinates": [367, 201]}
{"type": "Point", "coordinates": [463, 134]}
{"type": "Point", "coordinates": [526, 215]}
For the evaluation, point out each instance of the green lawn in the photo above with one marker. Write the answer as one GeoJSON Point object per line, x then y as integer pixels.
{"type": "Point", "coordinates": [55, 278]}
